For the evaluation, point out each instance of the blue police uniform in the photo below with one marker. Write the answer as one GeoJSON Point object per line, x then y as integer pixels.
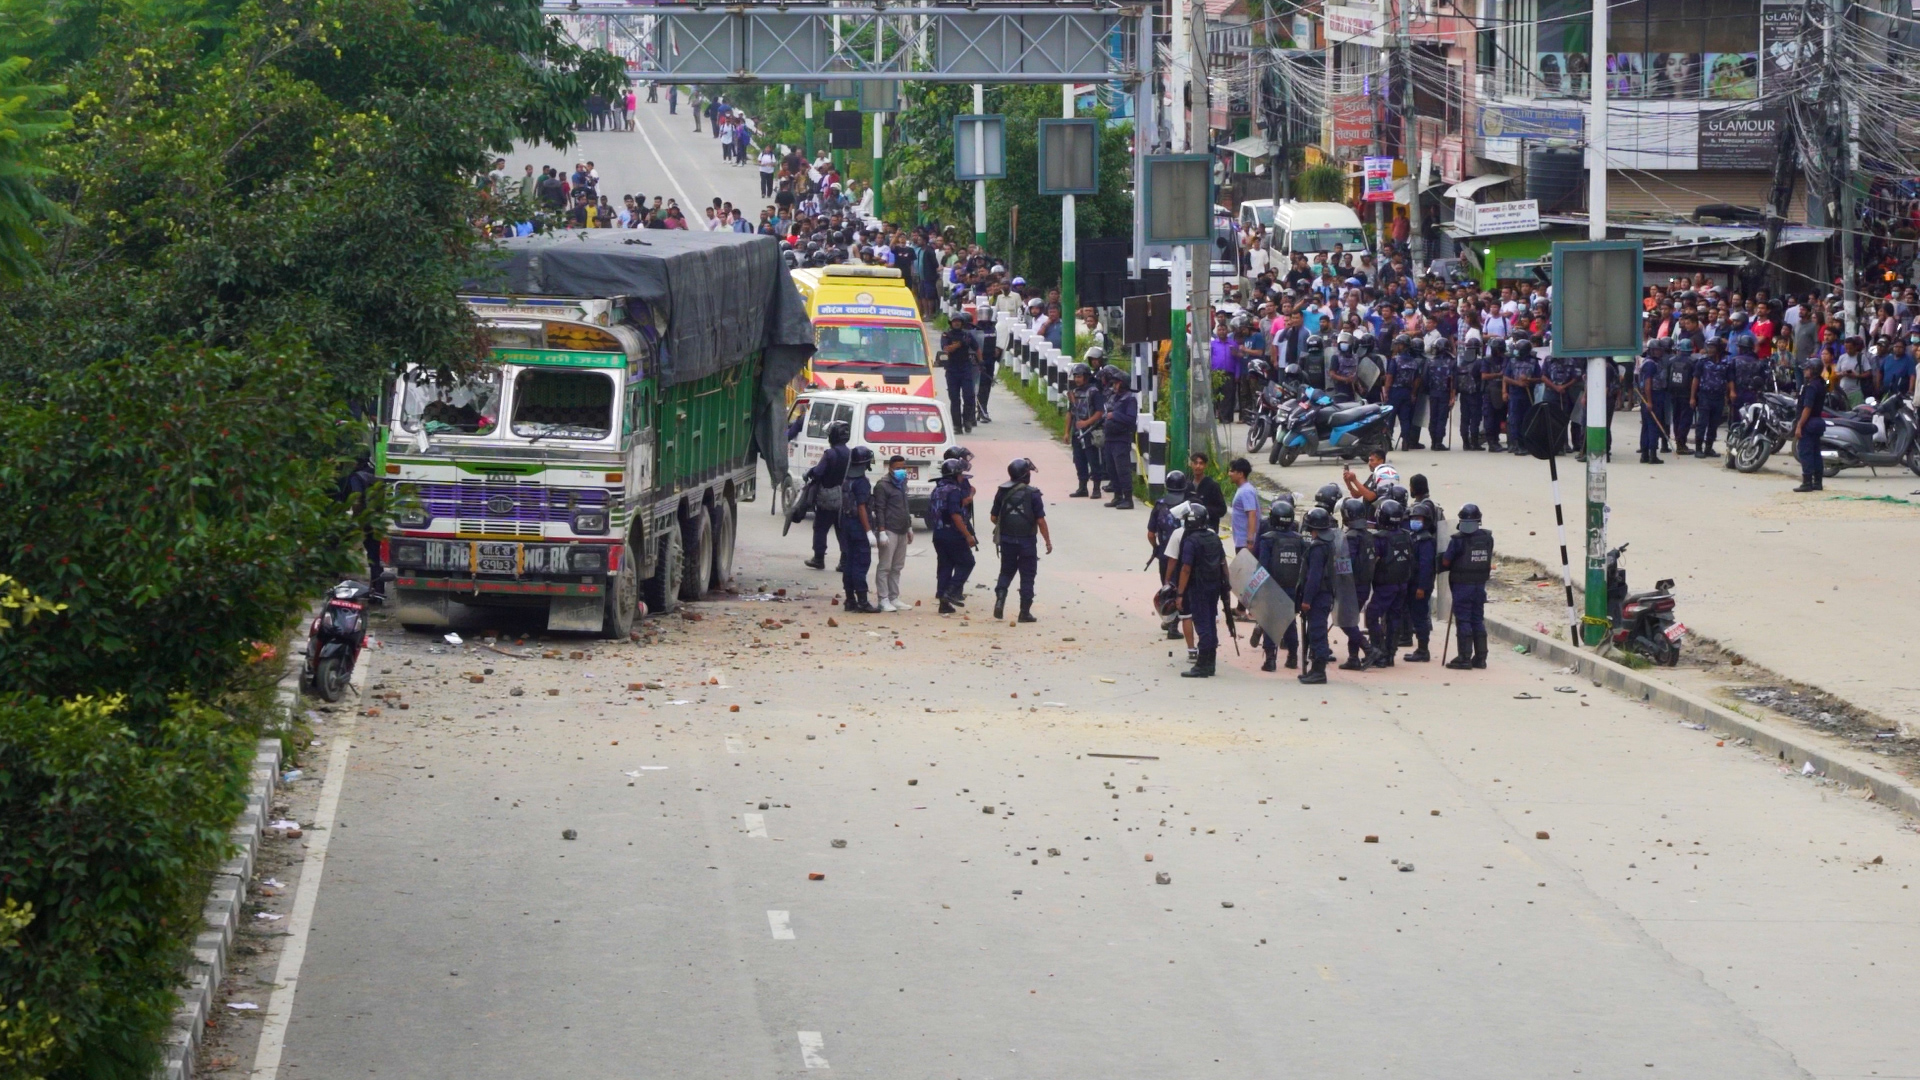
{"type": "Point", "coordinates": [1472, 400]}
{"type": "Point", "coordinates": [829, 474]}
{"type": "Point", "coordinates": [1019, 554]}
{"type": "Point", "coordinates": [1316, 592]}
{"type": "Point", "coordinates": [1679, 378]}
{"type": "Point", "coordinates": [856, 551]}
{"type": "Point", "coordinates": [1264, 551]}
{"type": "Point", "coordinates": [1749, 379]}
{"type": "Point", "coordinates": [1710, 383]}
{"type": "Point", "coordinates": [1202, 596]}
{"type": "Point", "coordinates": [989, 366]}
{"type": "Point", "coordinates": [962, 375]}
{"type": "Point", "coordinates": [1653, 391]}
{"type": "Point", "coordinates": [953, 556]}
{"type": "Point", "coordinates": [1469, 563]}
{"type": "Point", "coordinates": [1565, 369]}
{"type": "Point", "coordinates": [1405, 368]}
{"type": "Point", "coordinates": [1360, 557]}
{"type": "Point", "coordinates": [1519, 398]}
{"type": "Point", "coordinates": [1439, 378]}
{"type": "Point", "coordinates": [1392, 570]}
{"type": "Point", "coordinates": [1085, 402]}
{"type": "Point", "coordinates": [1123, 415]}
{"type": "Point", "coordinates": [1420, 589]}
{"type": "Point", "coordinates": [1813, 395]}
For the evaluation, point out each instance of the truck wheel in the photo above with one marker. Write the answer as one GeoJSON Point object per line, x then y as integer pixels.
{"type": "Point", "coordinates": [623, 599]}
{"type": "Point", "coordinates": [726, 530]}
{"type": "Point", "coordinates": [695, 576]}
{"type": "Point", "coordinates": [662, 590]}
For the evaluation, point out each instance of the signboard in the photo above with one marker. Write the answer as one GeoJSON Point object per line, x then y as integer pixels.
{"type": "Point", "coordinates": [1495, 219]}
{"type": "Point", "coordinates": [992, 132]}
{"type": "Point", "coordinates": [1531, 122]}
{"type": "Point", "coordinates": [1739, 138]}
{"type": "Point", "coordinates": [1783, 50]}
{"type": "Point", "coordinates": [1179, 195]}
{"type": "Point", "coordinates": [1069, 157]}
{"type": "Point", "coordinates": [1596, 298]}
{"type": "Point", "coordinates": [866, 310]}
{"type": "Point", "coordinates": [1379, 177]}
{"type": "Point", "coordinates": [1349, 24]}
{"type": "Point", "coordinates": [1353, 124]}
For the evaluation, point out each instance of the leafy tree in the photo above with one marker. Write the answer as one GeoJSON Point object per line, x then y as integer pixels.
{"type": "Point", "coordinates": [556, 76]}
{"type": "Point", "coordinates": [25, 127]}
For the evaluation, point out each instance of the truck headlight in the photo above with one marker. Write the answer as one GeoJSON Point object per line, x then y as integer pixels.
{"type": "Point", "coordinates": [413, 517]}
{"type": "Point", "coordinates": [590, 522]}
{"type": "Point", "coordinates": [587, 560]}
{"type": "Point", "coordinates": [408, 552]}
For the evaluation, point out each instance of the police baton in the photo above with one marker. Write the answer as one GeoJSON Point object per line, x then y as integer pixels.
{"type": "Point", "coordinates": [1447, 638]}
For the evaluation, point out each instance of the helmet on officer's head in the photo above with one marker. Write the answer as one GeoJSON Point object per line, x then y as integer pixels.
{"type": "Point", "coordinates": [838, 433]}
{"type": "Point", "coordinates": [958, 451]}
{"type": "Point", "coordinates": [1424, 510]}
{"type": "Point", "coordinates": [1345, 340]}
{"type": "Point", "coordinates": [1328, 496]}
{"type": "Point", "coordinates": [1469, 518]}
{"type": "Point", "coordinates": [1318, 520]}
{"type": "Point", "coordinates": [953, 468]}
{"type": "Point", "coordinates": [1280, 515]}
{"type": "Point", "coordinates": [1745, 342]}
{"type": "Point", "coordinates": [1095, 353]}
{"type": "Point", "coordinates": [1020, 469]}
{"type": "Point", "coordinates": [1176, 482]}
{"type": "Point", "coordinates": [1390, 513]}
{"type": "Point", "coordinates": [1659, 346]}
{"type": "Point", "coordinates": [1258, 369]}
{"type": "Point", "coordinates": [1082, 371]}
{"type": "Point", "coordinates": [862, 458]}
{"type": "Point", "coordinates": [1353, 511]}
{"type": "Point", "coordinates": [1111, 374]}
{"type": "Point", "coordinates": [1683, 345]}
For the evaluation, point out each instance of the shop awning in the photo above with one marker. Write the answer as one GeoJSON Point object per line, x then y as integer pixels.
{"type": "Point", "coordinates": [1465, 189]}
{"type": "Point", "coordinates": [1253, 146]}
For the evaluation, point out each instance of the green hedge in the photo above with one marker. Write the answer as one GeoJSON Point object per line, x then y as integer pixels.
{"type": "Point", "coordinates": [110, 834]}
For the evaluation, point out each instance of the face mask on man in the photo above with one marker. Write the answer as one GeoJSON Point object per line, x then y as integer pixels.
{"type": "Point", "coordinates": [1416, 525]}
{"type": "Point", "coordinates": [900, 475]}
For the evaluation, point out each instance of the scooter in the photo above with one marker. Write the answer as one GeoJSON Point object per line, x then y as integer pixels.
{"type": "Point", "coordinates": [334, 640]}
{"type": "Point", "coordinates": [1276, 403]}
{"type": "Point", "coordinates": [1761, 430]}
{"type": "Point", "coordinates": [1874, 436]}
{"type": "Point", "coordinates": [1324, 428]}
{"type": "Point", "coordinates": [1643, 623]}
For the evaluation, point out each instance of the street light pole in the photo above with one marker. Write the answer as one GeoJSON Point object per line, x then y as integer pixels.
{"type": "Point", "coordinates": [1596, 621]}
{"type": "Point", "coordinates": [1199, 369]}
{"type": "Point", "coordinates": [1069, 241]}
{"type": "Point", "coordinates": [979, 159]}
{"type": "Point", "coordinates": [1179, 359]}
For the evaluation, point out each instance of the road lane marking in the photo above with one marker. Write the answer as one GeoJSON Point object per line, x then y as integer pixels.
{"type": "Point", "coordinates": [756, 824]}
{"type": "Point", "coordinates": [736, 745]}
{"type": "Point", "coordinates": [273, 1033]}
{"type": "Point", "coordinates": [781, 924]}
{"type": "Point", "coordinates": [810, 1046]}
{"type": "Point", "coordinates": [687, 205]}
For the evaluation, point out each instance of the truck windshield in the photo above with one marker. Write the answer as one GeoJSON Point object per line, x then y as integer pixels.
{"type": "Point", "coordinates": [554, 403]}
{"type": "Point", "coordinates": [871, 347]}
{"type": "Point", "coordinates": [451, 404]}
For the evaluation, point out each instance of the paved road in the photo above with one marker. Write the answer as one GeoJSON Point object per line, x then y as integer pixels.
{"type": "Point", "coordinates": [1819, 588]}
{"type": "Point", "coordinates": [1692, 912]}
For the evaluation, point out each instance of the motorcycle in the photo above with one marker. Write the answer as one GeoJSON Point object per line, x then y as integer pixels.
{"type": "Point", "coordinates": [1762, 429]}
{"type": "Point", "coordinates": [334, 640]}
{"type": "Point", "coordinates": [1643, 623]}
{"type": "Point", "coordinates": [1270, 412]}
{"type": "Point", "coordinates": [1324, 428]}
{"type": "Point", "coordinates": [1874, 436]}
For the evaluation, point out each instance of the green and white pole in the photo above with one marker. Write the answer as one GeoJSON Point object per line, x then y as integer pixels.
{"type": "Point", "coordinates": [979, 158]}
{"type": "Point", "coordinates": [1596, 622]}
{"type": "Point", "coordinates": [1069, 242]}
{"type": "Point", "coordinates": [809, 136]}
{"type": "Point", "coordinates": [879, 166]}
{"type": "Point", "coordinates": [839, 155]}
{"type": "Point", "coordinates": [1179, 382]}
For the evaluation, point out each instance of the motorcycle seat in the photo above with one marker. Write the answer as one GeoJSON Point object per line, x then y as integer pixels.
{"type": "Point", "coordinates": [1865, 427]}
{"type": "Point", "coordinates": [1642, 597]}
{"type": "Point", "coordinates": [1352, 415]}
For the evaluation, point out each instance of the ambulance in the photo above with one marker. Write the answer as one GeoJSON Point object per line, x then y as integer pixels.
{"type": "Point", "coordinates": [867, 331]}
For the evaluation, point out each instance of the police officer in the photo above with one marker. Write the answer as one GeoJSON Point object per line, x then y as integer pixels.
{"type": "Point", "coordinates": [1709, 396]}
{"type": "Point", "coordinates": [1316, 594]}
{"type": "Point", "coordinates": [1369, 348]}
{"type": "Point", "coordinates": [1392, 571]}
{"type": "Point", "coordinates": [989, 361]}
{"type": "Point", "coordinates": [1652, 384]}
{"type": "Point", "coordinates": [1493, 382]}
{"type": "Point", "coordinates": [1809, 427]}
{"type": "Point", "coordinates": [1358, 560]}
{"type": "Point", "coordinates": [953, 539]}
{"type": "Point", "coordinates": [1522, 371]}
{"type": "Point", "coordinates": [1402, 383]}
{"type": "Point", "coordinates": [962, 351]}
{"type": "Point", "coordinates": [1161, 525]}
{"type": "Point", "coordinates": [1282, 551]}
{"type": "Point", "coordinates": [1750, 374]}
{"type": "Point", "coordinates": [1422, 520]}
{"type": "Point", "coordinates": [1343, 373]}
{"type": "Point", "coordinates": [1441, 380]}
{"type": "Point", "coordinates": [855, 525]}
{"type": "Point", "coordinates": [1469, 563]}
{"type": "Point", "coordinates": [1469, 390]}
{"type": "Point", "coordinates": [1086, 408]}
{"type": "Point", "coordinates": [827, 476]}
{"type": "Point", "coordinates": [1328, 498]}
{"type": "Point", "coordinates": [1680, 367]}
{"type": "Point", "coordinates": [1018, 514]}
{"type": "Point", "coordinates": [1203, 578]}
{"type": "Point", "coordinates": [1565, 378]}
{"type": "Point", "coordinates": [1121, 416]}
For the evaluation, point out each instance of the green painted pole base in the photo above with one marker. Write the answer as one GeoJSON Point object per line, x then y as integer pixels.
{"type": "Point", "coordinates": [1178, 414]}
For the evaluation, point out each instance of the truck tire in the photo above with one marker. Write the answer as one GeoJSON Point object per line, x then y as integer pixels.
{"type": "Point", "coordinates": [726, 530]}
{"type": "Point", "coordinates": [697, 575]}
{"type": "Point", "coordinates": [623, 599]}
{"type": "Point", "coordinates": [662, 590]}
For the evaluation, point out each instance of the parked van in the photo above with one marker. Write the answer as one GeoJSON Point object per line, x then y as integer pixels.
{"type": "Point", "coordinates": [867, 332]}
{"type": "Point", "coordinates": [917, 429]}
{"type": "Point", "coordinates": [1304, 228]}
{"type": "Point", "coordinates": [1256, 212]}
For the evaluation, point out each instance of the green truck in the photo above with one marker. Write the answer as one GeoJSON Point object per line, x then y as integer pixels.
{"type": "Point", "coordinates": [595, 463]}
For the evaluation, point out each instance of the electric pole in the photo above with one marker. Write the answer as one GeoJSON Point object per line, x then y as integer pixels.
{"type": "Point", "coordinates": [1199, 366]}
{"type": "Point", "coordinates": [1410, 141]}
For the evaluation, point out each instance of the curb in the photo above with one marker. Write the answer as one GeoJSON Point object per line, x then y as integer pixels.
{"type": "Point", "coordinates": [201, 978]}
{"type": "Point", "coordinates": [1888, 790]}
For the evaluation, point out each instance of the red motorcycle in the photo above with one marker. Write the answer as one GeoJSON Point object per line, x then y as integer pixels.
{"type": "Point", "coordinates": [334, 640]}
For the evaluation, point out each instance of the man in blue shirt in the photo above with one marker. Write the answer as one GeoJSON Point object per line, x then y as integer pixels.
{"type": "Point", "coordinates": [1897, 368]}
{"type": "Point", "coordinates": [1246, 503]}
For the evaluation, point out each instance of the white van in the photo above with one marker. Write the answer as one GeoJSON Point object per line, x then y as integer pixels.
{"type": "Point", "coordinates": [1256, 212]}
{"type": "Point", "coordinates": [1308, 228]}
{"type": "Point", "coordinates": [918, 429]}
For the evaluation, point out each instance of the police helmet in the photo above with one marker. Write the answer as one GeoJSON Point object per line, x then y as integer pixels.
{"type": "Point", "coordinates": [1424, 510]}
{"type": "Point", "coordinates": [963, 316]}
{"type": "Point", "coordinates": [953, 468]}
{"type": "Point", "coordinates": [1319, 520]}
{"type": "Point", "coordinates": [1353, 511]}
{"type": "Point", "coordinates": [1365, 340]}
{"type": "Point", "coordinates": [1659, 346]}
{"type": "Point", "coordinates": [1717, 345]}
{"type": "Point", "coordinates": [1258, 369]}
{"type": "Point", "coordinates": [1416, 346]}
{"type": "Point", "coordinates": [1521, 347]}
{"type": "Point", "coordinates": [1082, 371]}
{"type": "Point", "coordinates": [1176, 482]}
{"type": "Point", "coordinates": [958, 451]}
{"type": "Point", "coordinates": [1396, 492]}
{"type": "Point", "coordinates": [1280, 515]}
{"type": "Point", "coordinates": [1469, 518]}
{"type": "Point", "coordinates": [1020, 469]}
{"type": "Point", "coordinates": [1328, 496]}
{"type": "Point", "coordinates": [1345, 341]}
{"type": "Point", "coordinates": [1745, 343]}
{"type": "Point", "coordinates": [838, 433]}
{"type": "Point", "coordinates": [1096, 353]}
{"type": "Point", "coordinates": [862, 458]}
{"type": "Point", "coordinates": [1315, 341]}
{"type": "Point", "coordinates": [1113, 374]}
{"type": "Point", "coordinates": [1391, 513]}
{"type": "Point", "coordinates": [1683, 345]}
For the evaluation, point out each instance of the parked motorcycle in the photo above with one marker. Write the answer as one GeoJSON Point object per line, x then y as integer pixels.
{"type": "Point", "coordinates": [1877, 435]}
{"type": "Point", "coordinates": [1643, 623]}
{"type": "Point", "coordinates": [1276, 403]}
{"type": "Point", "coordinates": [334, 640]}
{"type": "Point", "coordinates": [1761, 429]}
{"type": "Point", "coordinates": [1324, 428]}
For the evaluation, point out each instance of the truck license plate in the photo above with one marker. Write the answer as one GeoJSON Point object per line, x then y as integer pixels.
{"type": "Point", "coordinates": [496, 558]}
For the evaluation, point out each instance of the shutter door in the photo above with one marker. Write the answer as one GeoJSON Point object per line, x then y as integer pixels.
{"type": "Point", "coordinates": [1639, 193]}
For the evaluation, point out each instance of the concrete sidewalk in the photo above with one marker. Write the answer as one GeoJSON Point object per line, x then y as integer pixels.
{"type": "Point", "coordinates": [1817, 587]}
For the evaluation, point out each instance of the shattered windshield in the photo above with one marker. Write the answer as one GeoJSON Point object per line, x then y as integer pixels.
{"type": "Point", "coordinates": [451, 404]}
{"type": "Point", "coordinates": [558, 403]}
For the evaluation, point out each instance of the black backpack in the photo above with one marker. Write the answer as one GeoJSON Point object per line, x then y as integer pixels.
{"type": "Point", "coordinates": [1679, 371]}
{"type": "Point", "coordinates": [1209, 559]}
{"type": "Point", "coordinates": [1286, 556]}
{"type": "Point", "coordinates": [1016, 513]}
{"type": "Point", "coordinates": [1396, 566]}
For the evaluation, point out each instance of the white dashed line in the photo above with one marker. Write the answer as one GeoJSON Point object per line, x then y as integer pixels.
{"type": "Point", "coordinates": [781, 924]}
{"type": "Point", "coordinates": [810, 1046]}
{"type": "Point", "coordinates": [756, 824]}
